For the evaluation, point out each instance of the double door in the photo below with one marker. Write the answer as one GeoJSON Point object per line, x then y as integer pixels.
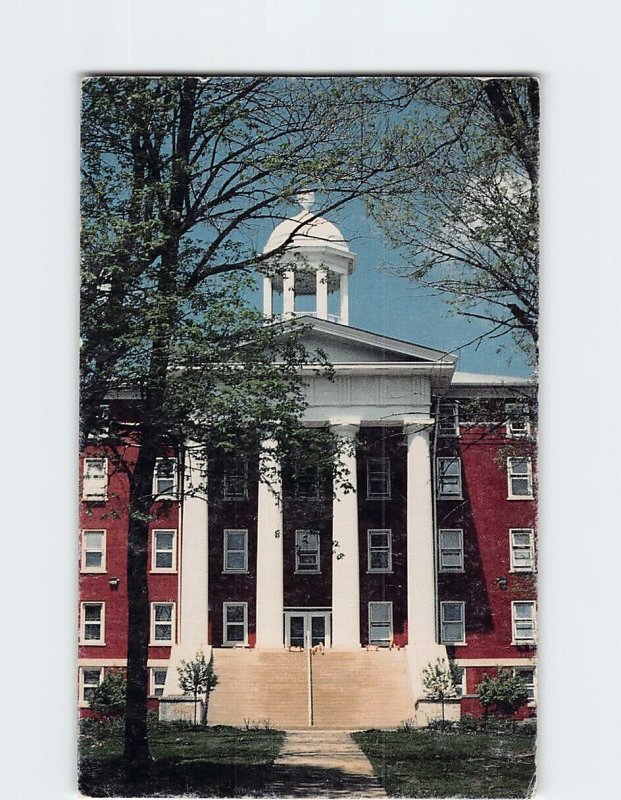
{"type": "Point", "coordinates": [306, 629]}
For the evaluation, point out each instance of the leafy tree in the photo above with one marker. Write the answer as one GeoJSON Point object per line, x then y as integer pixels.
{"type": "Point", "coordinates": [466, 212]}
{"type": "Point", "coordinates": [198, 677]}
{"type": "Point", "coordinates": [503, 693]}
{"type": "Point", "coordinates": [438, 683]}
{"type": "Point", "coordinates": [181, 177]}
{"type": "Point", "coordinates": [109, 697]}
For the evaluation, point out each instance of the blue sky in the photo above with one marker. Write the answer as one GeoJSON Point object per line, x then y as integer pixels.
{"type": "Point", "coordinates": [385, 303]}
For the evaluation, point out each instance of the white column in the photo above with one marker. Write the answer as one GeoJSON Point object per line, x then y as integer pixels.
{"type": "Point", "coordinates": [270, 556]}
{"type": "Point", "coordinates": [422, 645]}
{"type": "Point", "coordinates": [322, 293]}
{"type": "Point", "coordinates": [345, 559]}
{"type": "Point", "coordinates": [267, 296]}
{"type": "Point", "coordinates": [193, 572]}
{"type": "Point", "coordinates": [288, 293]}
{"type": "Point", "coordinates": [344, 291]}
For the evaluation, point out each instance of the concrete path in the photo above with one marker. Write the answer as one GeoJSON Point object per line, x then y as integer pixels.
{"type": "Point", "coordinates": [316, 763]}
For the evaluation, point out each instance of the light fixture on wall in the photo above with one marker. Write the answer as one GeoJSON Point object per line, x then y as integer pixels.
{"type": "Point", "coordinates": [114, 583]}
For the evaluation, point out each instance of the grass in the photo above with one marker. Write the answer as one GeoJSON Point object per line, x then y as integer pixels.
{"type": "Point", "coordinates": [425, 763]}
{"type": "Point", "coordinates": [187, 760]}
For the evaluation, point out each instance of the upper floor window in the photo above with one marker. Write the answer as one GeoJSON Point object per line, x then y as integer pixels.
{"type": "Point", "coordinates": [165, 477]}
{"type": "Point", "coordinates": [307, 483]}
{"type": "Point", "coordinates": [164, 556]}
{"type": "Point", "coordinates": [93, 551]}
{"type": "Point", "coordinates": [517, 421]}
{"type": "Point", "coordinates": [519, 473]}
{"type": "Point", "coordinates": [235, 482]}
{"type": "Point", "coordinates": [448, 420]}
{"type": "Point", "coordinates": [523, 622]}
{"type": "Point", "coordinates": [92, 623]}
{"type": "Point", "coordinates": [235, 550]}
{"type": "Point", "coordinates": [378, 478]}
{"type": "Point", "coordinates": [522, 549]}
{"type": "Point", "coordinates": [379, 542]}
{"type": "Point", "coordinates": [307, 551]}
{"type": "Point", "coordinates": [453, 622]}
{"type": "Point", "coordinates": [449, 477]}
{"type": "Point", "coordinates": [451, 549]}
{"type": "Point", "coordinates": [95, 479]}
{"type": "Point", "coordinates": [162, 623]}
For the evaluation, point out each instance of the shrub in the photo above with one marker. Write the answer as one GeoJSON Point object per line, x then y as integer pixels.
{"type": "Point", "coordinates": [109, 697]}
{"type": "Point", "coordinates": [503, 693]}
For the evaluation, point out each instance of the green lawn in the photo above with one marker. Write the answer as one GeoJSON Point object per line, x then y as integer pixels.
{"type": "Point", "coordinates": [210, 762]}
{"type": "Point", "coordinates": [423, 763]}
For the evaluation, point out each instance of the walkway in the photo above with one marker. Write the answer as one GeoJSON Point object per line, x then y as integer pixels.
{"type": "Point", "coordinates": [316, 763]}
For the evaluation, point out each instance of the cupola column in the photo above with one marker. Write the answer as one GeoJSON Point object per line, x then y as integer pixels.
{"type": "Point", "coordinates": [267, 296]}
{"type": "Point", "coordinates": [288, 294]}
{"type": "Point", "coordinates": [344, 292]}
{"type": "Point", "coordinates": [322, 293]}
{"type": "Point", "coordinates": [345, 558]}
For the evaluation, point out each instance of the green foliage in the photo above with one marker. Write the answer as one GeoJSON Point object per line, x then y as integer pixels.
{"type": "Point", "coordinates": [502, 693]}
{"type": "Point", "coordinates": [197, 677]}
{"type": "Point", "coordinates": [109, 697]}
{"type": "Point", "coordinates": [438, 681]}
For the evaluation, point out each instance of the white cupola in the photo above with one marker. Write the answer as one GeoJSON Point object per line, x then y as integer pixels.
{"type": "Point", "coordinates": [313, 270]}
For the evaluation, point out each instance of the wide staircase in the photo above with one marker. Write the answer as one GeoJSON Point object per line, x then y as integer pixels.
{"type": "Point", "coordinates": [354, 689]}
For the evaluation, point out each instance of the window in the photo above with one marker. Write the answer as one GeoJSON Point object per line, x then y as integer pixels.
{"type": "Point", "coordinates": [164, 555]}
{"type": "Point", "coordinates": [449, 477]}
{"type": "Point", "coordinates": [451, 547]}
{"type": "Point", "coordinates": [378, 478]}
{"type": "Point", "coordinates": [448, 420]}
{"type": "Point", "coordinates": [235, 483]}
{"type": "Point", "coordinates": [522, 549]}
{"type": "Point", "coordinates": [452, 622]}
{"type": "Point", "coordinates": [158, 679]}
{"type": "Point", "coordinates": [235, 624]}
{"type": "Point", "coordinates": [95, 479]}
{"type": "Point", "coordinates": [379, 543]}
{"type": "Point", "coordinates": [307, 551]}
{"type": "Point", "coordinates": [93, 551]}
{"type": "Point", "coordinates": [236, 551]}
{"type": "Point", "coordinates": [162, 623]}
{"type": "Point", "coordinates": [90, 678]}
{"type": "Point", "coordinates": [517, 424]}
{"type": "Point", "coordinates": [520, 478]}
{"type": "Point", "coordinates": [459, 679]}
{"type": "Point", "coordinates": [93, 616]}
{"type": "Point", "coordinates": [307, 483]}
{"type": "Point", "coordinates": [380, 623]}
{"type": "Point", "coordinates": [527, 674]}
{"type": "Point", "coordinates": [523, 622]}
{"type": "Point", "coordinates": [165, 477]}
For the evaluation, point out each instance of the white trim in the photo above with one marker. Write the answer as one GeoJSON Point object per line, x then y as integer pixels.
{"type": "Point", "coordinates": [384, 473]}
{"type": "Point", "coordinates": [95, 487]}
{"type": "Point", "coordinates": [532, 620]}
{"type": "Point", "coordinates": [443, 550]}
{"type": "Point", "coordinates": [155, 550]}
{"type": "Point", "coordinates": [101, 622]}
{"type": "Point", "coordinates": [387, 549]}
{"type": "Point", "coordinates": [226, 642]}
{"type": "Point", "coordinates": [386, 642]}
{"type": "Point", "coordinates": [119, 662]}
{"type": "Point", "coordinates": [513, 548]}
{"type": "Point", "coordinates": [153, 642]}
{"type": "Point", "coordinates": [299, 534]}
{"type": "Point", "coordinates": [441, 477]}
{"type": "Point", "coordinates": [227, 550]}
{"type": "Point", "coordinates": [84, 550]}
{"type": "Point", "coordinates": [527, 661]}
{"type": "Point", "coordinates": [528, 476]}
{"type": "Point", "coordinates": [172, 494]}
{"type": "Point", "coordinates": [461, 621]}
{"type": "Point", "coordinates": [82, 701]}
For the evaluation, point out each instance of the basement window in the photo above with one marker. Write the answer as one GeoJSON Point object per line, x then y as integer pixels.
{"type": "Point", "coordinates": [90, 678]}
{"type": "Point", "coordinates": [158, 680]}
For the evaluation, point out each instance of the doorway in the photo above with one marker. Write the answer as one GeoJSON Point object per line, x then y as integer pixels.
{"type": "Point", "coordinates": [307, 628]}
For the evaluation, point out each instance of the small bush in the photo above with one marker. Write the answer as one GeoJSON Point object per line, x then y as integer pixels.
{"type": "Point", "coordinates": [503, 693]}
{"type": "Point", "coordinates": [109, 697]}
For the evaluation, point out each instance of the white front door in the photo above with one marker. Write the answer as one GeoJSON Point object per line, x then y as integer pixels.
{"type": "Point", "coordinates": [307, 628]}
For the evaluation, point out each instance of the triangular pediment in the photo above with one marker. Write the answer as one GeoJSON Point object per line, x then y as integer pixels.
{"type": "Point", "coordinates": [344, 344]}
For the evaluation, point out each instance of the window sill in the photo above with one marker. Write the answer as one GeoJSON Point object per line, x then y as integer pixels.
{"type": "Point", "coordinates": [163, 571]}
{"type": "Point", "coordinates": [92, 571]}
{"type": "Point", "coordinates": [93, 499]}
{"type": "Point", "coordinates": [307, 572]}
{"type": "Point", "coordinates": [92, 643]}
{"type": "Point", "coordinates": [521, 497]}
{"type": "Point", "coordinates": [380, 497]}
{"type": "Point", "coordinates": [450, 497]}
{"type": "Point", "coordinates": [454, 644]}
{"type": "Point", "coordinates": [459, 571]}
{"type": "Point", "coordinates": [523, 571]}
{"type": "Point", "coordinates": [233, 645]}
{"type": "Point", "coordinates": [167, 643]}
{"type": "Point", "coordinates": [380, 572]}
{"type": "Point", "coordinates": [525, 643]}
{"type": "Point", "coordinates": [235, 572]}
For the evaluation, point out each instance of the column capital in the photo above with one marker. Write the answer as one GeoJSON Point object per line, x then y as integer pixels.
{"type": "Point", "coordinates": [345, 426]}
{"type": "Point", "coordinates": [413, 425]}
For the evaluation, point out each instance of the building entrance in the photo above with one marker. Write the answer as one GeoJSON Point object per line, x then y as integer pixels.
{"type": "Point", "coordinates": [307, 628]}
